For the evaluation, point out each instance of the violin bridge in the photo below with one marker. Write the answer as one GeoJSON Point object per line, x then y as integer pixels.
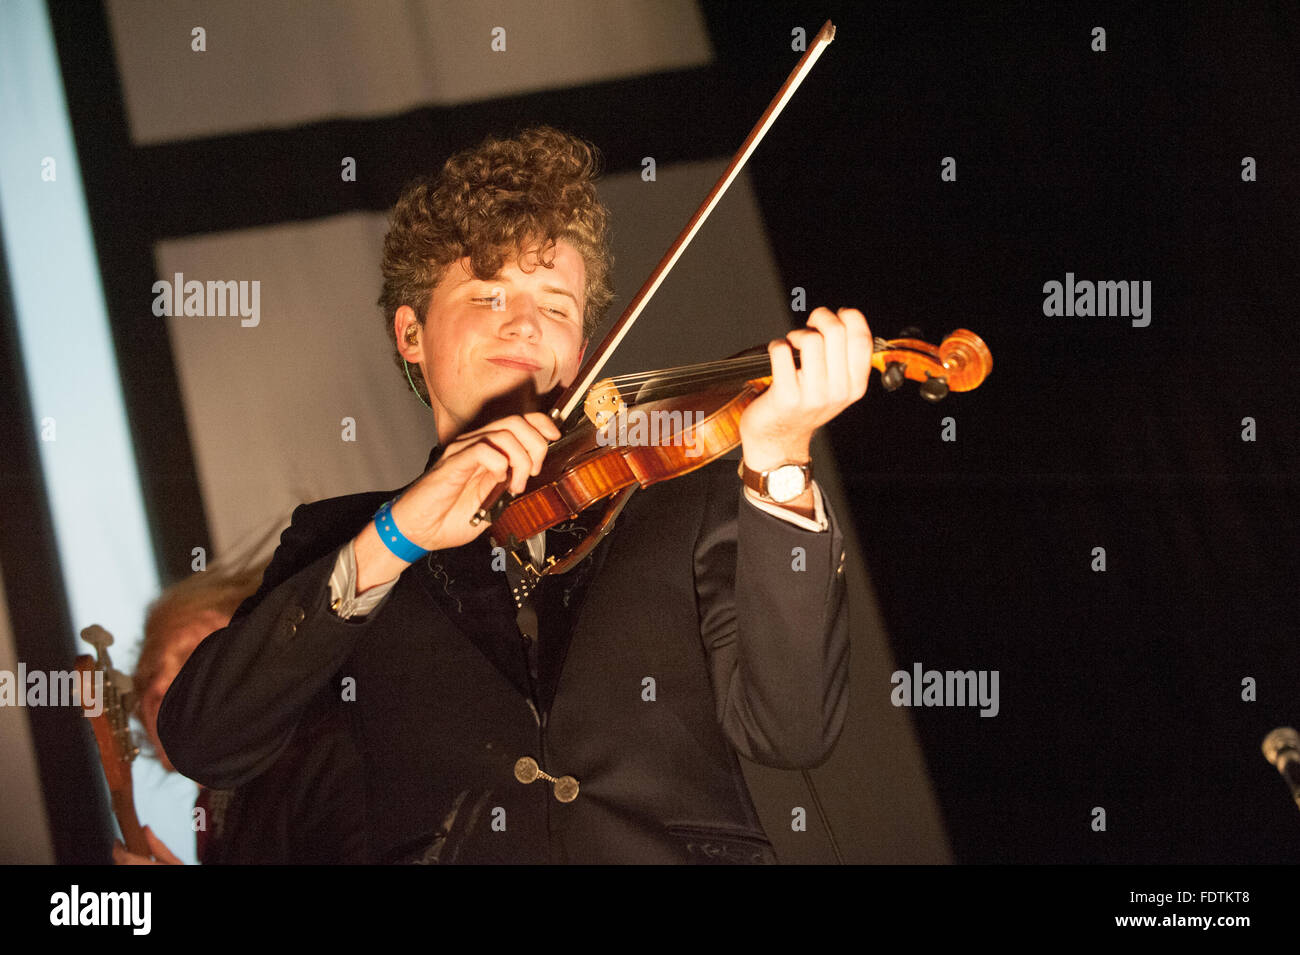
{"type": "Point", "coordinates": [603, 402]}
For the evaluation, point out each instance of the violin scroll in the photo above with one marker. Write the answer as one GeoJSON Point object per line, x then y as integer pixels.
{"type": "Point", "coordinates": [961, 362]}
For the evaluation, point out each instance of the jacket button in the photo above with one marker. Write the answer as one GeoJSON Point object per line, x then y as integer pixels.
{"type": "Point", "coordinates": [527, 771]}
{"type": "Point", "coordinates": [289, 621]}
{"type": "Point", "coordinates": [566, 789]}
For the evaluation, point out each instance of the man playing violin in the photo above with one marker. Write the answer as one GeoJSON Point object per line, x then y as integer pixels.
{"type": "Point", "coordinates": [599, 718]}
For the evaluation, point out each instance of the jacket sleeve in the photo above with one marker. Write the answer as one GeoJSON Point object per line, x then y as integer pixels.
{"type": "Point", "coordinates": [235, 704]}
{"type": "Point", "coordinates": [774, 621]}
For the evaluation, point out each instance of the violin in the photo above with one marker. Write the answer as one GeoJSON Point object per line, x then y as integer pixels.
{"type": "Point", "coordinates": [684, 418]}
{"type": "Point", "coordinates": [693, 411]}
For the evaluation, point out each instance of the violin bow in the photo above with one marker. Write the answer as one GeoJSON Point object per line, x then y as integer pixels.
{"type": "Point", "coordinates": [569, 400]}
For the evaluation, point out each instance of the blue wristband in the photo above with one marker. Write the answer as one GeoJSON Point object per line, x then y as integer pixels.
{"type": "Point", "coordinates": [393, 539]}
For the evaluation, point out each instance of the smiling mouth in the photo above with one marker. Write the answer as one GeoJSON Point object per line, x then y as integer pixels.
{"type": "Point", "coordinates": [512, 363]}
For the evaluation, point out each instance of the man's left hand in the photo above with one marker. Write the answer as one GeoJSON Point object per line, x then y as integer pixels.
{"type": "Point", "coordinates": [834, 365]}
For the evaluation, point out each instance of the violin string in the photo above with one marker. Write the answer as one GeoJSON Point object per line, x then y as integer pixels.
{"type": "Point", "coordinates": [657, 392]}
{"type": "Point", "coordinates": [686, 373]}
{"type": "Point", "coordinates": [723, 370]}
{"type": "Point", "coordinates": [741, 362]}
{"type": "Point", "coordinates": [666, 380]}
{"type": "Point", "coordinates": [738, 362]}
{"type": "Point", "coordinates": [675, 382]}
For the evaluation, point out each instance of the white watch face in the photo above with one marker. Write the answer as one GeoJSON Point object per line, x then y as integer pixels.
{"type": "Point", "coordinates": [785, 483]}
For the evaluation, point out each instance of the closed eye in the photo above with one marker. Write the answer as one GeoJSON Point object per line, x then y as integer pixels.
{"type": "Point", "coordinates": [556, 310]}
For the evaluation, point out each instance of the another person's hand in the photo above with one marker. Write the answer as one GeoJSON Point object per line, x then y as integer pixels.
{"type": "Point", "coordinates": [161, 854]}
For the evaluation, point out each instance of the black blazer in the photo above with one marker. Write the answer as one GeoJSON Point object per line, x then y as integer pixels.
{"type": "Point", "coordinates": [702, 627]}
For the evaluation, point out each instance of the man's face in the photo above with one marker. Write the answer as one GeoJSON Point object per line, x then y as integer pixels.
{"type": "Point", "coordinates": [493, 347]}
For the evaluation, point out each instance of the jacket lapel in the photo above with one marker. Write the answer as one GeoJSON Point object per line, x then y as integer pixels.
{"type": "Point", "coordinates": [476, 598]}
{"type": "Point", "coordinates": [559, 598]}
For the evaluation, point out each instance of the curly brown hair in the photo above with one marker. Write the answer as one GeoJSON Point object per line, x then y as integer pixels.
{"type": "Point", "coordinates": [493, 203]}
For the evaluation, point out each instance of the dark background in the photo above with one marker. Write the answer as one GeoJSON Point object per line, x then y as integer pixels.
{"type": "Point", "coordinates": [1119, 689]}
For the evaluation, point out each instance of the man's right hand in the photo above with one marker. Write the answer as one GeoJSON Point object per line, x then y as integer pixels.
{"type": "Point", "coordinates": [435, 512]}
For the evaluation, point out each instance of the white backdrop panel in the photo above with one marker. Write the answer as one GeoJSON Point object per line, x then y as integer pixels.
{"type": "Point", "coordinates": [266, 404]}
{"type": "Point", "coordinates": [273, 63]}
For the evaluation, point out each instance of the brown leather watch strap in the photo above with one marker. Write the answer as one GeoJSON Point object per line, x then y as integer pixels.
{"type": "Point", "coordinates": [756, 481]}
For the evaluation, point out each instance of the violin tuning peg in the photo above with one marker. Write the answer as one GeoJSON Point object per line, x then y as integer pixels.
{"type": "Point", "coordinates": [97, 636]}
{"type": "Point", "coordinates": [893, 376]}
{"type": "Point", "coordinates": [934, 389]}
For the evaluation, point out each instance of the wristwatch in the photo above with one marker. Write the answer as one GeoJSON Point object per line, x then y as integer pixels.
{"type": "Point", "coordinates": [780, 485]}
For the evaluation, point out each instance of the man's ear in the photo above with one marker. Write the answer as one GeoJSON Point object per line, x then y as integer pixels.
{"type": "Point", "coordinates": [403, 320]}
